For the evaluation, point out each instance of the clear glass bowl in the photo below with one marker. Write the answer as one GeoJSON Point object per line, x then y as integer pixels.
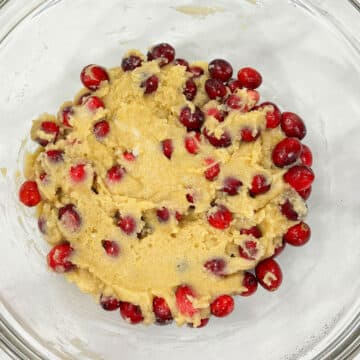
{"type": "Point", "coordinates": [309, 54]}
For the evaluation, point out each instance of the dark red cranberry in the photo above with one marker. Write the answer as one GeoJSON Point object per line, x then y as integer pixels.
{"type": "Point", "coordinates": [234, 85]}
{"type": "Point", "coordinates": [292, 125]}
{"type": "Point", "coordinates": [127, 224]}
{"type": "Point", "coordinates": [93, 103]}
{"type": "Point", "coordinates": [162, 311]}
{"type": "Point", "coordinates": [192, 142]}
{"type": "Point", "coordinates": [55, 155]}
{"type": "Point", "coordinates": [163, 214]}
{"type": "Point", "coordinates": [190, 198]}
{"type": "Point", "coordinates": [249, 78]}
{"type": "Point", "coordinates": [234, 102]}
{"type": "Point", "coordinates": [178, 216]}
{"type": "Point", "coordinates": [66, 113]}
{"type": "Point", "coordinates": [212, 170]}
{"type": "Point", "coordinates": [131, 62]}
{"type": "Point", "coordinates": [29, 193]}
{"type": "Point", "coordinates": [248, 134]}
{"type": "Point", "coordinates": [197, 71]}
{"type": "Point", "coordinates": [69, 218]}
{"type": "Point", "coordinates": [273, 117]}
{"type": "Point", "coordinates": [253, 231]}
{"type": "Point", "coordinates": [269, 274]}
{"type": "Point", "coordinates": [183, 295]}
{"type": "Point", "coordinates": [231, 186]}
{"type": "Point", "coordinates": [286, 152]}
{"type": "Point", "coordinates": [215, 88]}
{"type": "Point", "coordinates": [279, 249]}
{"type": "Point", "coordinates": [111, 247]}
{"type": "Point", "coordinates": [220, 69]}
{"type": "Point", "coordinates": [190, 89]}
{"type": "Point", "coordinates": [299, 177]}
{"type": "Point", "coordinates": [250, 283]}
{"type": "Point", "coordinates": [259, 185]}
{"type": "Point", "coordinates": [115, 174]}
{"type": "Point", "coordinates": [131, 313]}
{"type": "Point", "coordinates": [109, 303]}
{"type": "Point", "coordinates": [216, 266]}
{"type": "Point", "coordinates": [203, 322]}
{"type": "Point", "coordinates": [164, 52]}
{"type": "Point", "coordinates": [93, 75]}
{"type": "Point", "coordinates": [182, 62]}
{"type": "Point", "coordinates": [249, 250]}
{"type": "Point", "coordinates": [101, 129]}
{"type": "Point", "coordinates": [150, 84]}
{"type": "Point", "coordinates": [306, 157]}
{"type": "Point", "coordinates": [167, 147]}
{"type": "Point", "coordinates": [287, 209]}
{"type": "Point", "coordinates": [216, 113]}
{"type": "Point", "coordinates": [220, 217]}
{"type": "Point", "coordinates": [298, 234]}
{"type": "Point", "coordinates": [192, 121]}
{"type": "Point", "coordinates": [222, 306]}
{"type": "Point", "coordinates": [222, 142]}
{"type": "Point", "coordinates": [77, 173]}
{"type": "Point", "coordinates": [305, 194]}
{"type": "Point", "coordinates": [58, 258]}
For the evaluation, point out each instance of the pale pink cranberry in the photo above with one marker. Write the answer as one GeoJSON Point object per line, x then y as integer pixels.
{"type": "Point", "coordinates": [161, 311]}
{"type": "Point", "coordinates": [220, 69]}
{"type": "Point", "coordinates": [150, 84]}
{"type": "Point", "coordinates": [221, 218]}
{"type": "Point", "coordinates": [115, 174]}
{"type": "Point", "coordinates": [190, 89]}
{"type": "Point", "coordinates": [273, 117]}
{"type": "Point", "coordinates": [215, 89]}
{"type": "Point", "coordinates": [101, 129]}
{"type": "Point", "coordinates": [213, 169]}
{"type": "Point", "coordinates": [298, 234]}
{"type": "Point", "coordinates": [248, 134]}
{"type": "Point", "coordinates": [299, 177]}
{"type": "Point", "coordinates": [286, 152]}
{"type": "Point", "coordinates": [93, 75]}
{"type": "Point", "coordinates": [279, 249]}
{"type": "Point", "coordinates": [93, 103]}
{"type": "Point", "coordinates": [184, 305]}
{"type": "Point", "coordinates": [167, 147]}
{"type": "Point", "coordinates": [182, 62]}
{"type": "Point", "coordinates": [305, 194]}
{"type": "Point", "coordinates": [58, 258]}
{"type": "Point", "coordinates": [292, 125]}
{"type": "Point", "coordinates": [192, 121]}
{"type": "Point", "coordinates": [164, 52]}
{"type": "Point", "coordinates": [197, 71]}
{"type": "Point", "coordinates": [29, 193]}
{"type": "Point", "coordinates": [109, 303]}
{"type": "Point", "coordinates": [216, 266]}
{"type": "Point", "coordinates": [287, 209]}
{"type": "Point", "coordinates": [192, 142]}
{"type": "Point", "coordinates": [269, 274]}
{"type": "Point", "coordinates": [253, 231]}
{"type": "Point", "coordinates": [69, 218]}
{"type": "Point", "coordinates": [131, 62]}
{"type": "Point", "coordinates": [55, 156]}
{"type": "Point", "coordinates": [250, 283]}
{"type": "Point", "coordinates": [223, 141]}
{"type": "Point", "coordinates": [216, 113]}
{"type": "Point", "coordinates": [259, 185]}
{"type": "Point", "coordinates": [254, 96]}
{"type": "Point", "coordinates": [222, 306]}
{"type": "Point", "coordinates": [231, 186]}
{"type": "Point", "coordinates": [249, 250]}
{"type": "Point", "coordinates": [306, 157]}
{"type": "Point", "coordinates": [129, 156]}
{"type": "Point", "coordinates": [249, 78]}
{"type": "Point", "coordinates": [127, 224]}
{"type": "Point", "coordinates": [234, 85]}
{"type": "Point", "coordinates": [131, 313]}
{"type": "Point", "coordinates": [78, 173]}
{"type": "Point", "coordinates": [163, 214]}
{"type": "Point", "coordinates": [111, 247]}
{"type": "Point", "coordinates": [66, 114]}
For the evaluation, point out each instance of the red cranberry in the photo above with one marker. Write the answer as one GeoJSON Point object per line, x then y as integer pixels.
{"type": "Point", "coordinates": [131, 62]}
{"type": "Point", "coordinates": [223, 141]}
{"type": "Point", "coordinates": [234, 84]}
{"type": "Point", "coordinates": [164, 52]}
{"type": "Point", "coordinates": [247, 134]}
{"type": "Point", "coordinates": [93, 103]}
{"type": "Point", "coordinates": [111, 247]}
{"type": "Point", "coordinates": [182, 62]}
{"type": "Point", "coordinates": [43, 177]}
{"type": "Point", "coordinates": [287, 209]}
{"type": "Point", "coordinates": [259, 185]}
{"type": "Point", "coordinates": [83, 98]}
{"type": "Point", "coordinates": [50, 128]}
{"type": "Point", "coordinates": [93, 75]}
{"type": "Point", "coordinates": [101, 129]}
{"type": "Point", "coordinates": [167, 147]}
{"type": "Point", "coordinates": [192, 121]}
{"type": "Point", "coordinates": [231, 186]}
{"type": "Point", "coordinates": [190, 89]}
{"type": "Point", "coordinates": [249, 78]}
{"type": "Point", "coordinates": [222, 306]}
{"type": "Point", "coordinates": [150, 84]}
{"type": "Point", "coordinates": [115, 174]}
{"type": "Point", "coordinates": [190, 198]}
{"type": "Point", "coordinates": [212, 171]}
{"type": "Point", "coordinates": [127, 224]}
{"type": "Point", "coordinates": [292, 125]}
{"type": "Point", "coordinates": [254, 96]}
{"type": "Point", "coordinates": [279, 249]}
{"type": "Point", "coordinates": [269, 275]}
{"type": "Point", "coordinates": [69, 218]}
{"type": "Point", "coordinates": [109, 303]}
{"type": "Point", "coordinates": [131, 313]}
{"type": "Point", "coordinates": [55, 155]}
{"type": "Point", "coordinates": [286, 152]}
{"type": "Point", "coordinates": [163, 214]}
{"type": "Point", "coordinates": [215, 88]}
{"type": "Point", "coordinates": [217, 114]}
{"type": "Point", "coordinates": [250, 283]}
{"type": "Point", "coordinates": [273, 117]}
{"type": "Point", "coordinates": [184, 304]}
{"type": "Point", "coordinates": [253, 231]}
{"type": "Point", "coordinates": [197, 71]}
{"type": "Point", "coordinates": [220, 69]}
{"type": "Point", "coordinates": [203, 322]}
{"type": "Point", "coordinates": [234, 102]}
{"type": "Point", "coordinates": [66, 114]}
{"type": "Point", "coordinates": [299, 177]}
{"type": "Point", "coordinates": [216, 266]}
{"type": "Point", "coordinates": [298, 234]}
{"type": "Point", "coordinates": [78, 173]}
{"type": "Point", "coordinates": [249, 250]}
{"type": "Point", "coordinates": [178, 216]}
{"type": "Point", "coordinates": [306, 157]}
{"type": "Point", "coordinates": [29, 193]}
{"type": "Point", "coordinates": [305, 194]}
{"type": "Point", "coordinates": [129, 156]}
{"type": "Point", "coordinates": [58, 258]}
{"type": "Point", "coordinates": [42, 225]}
{"type": "Point", "coordinates": [162, 311]}
{"type": "Point", "coordinates": [220, 217]}
{"type": "Point", "coordinates": [192, 141]}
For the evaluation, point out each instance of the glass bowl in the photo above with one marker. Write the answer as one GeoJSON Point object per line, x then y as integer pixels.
{"type": "Point", "coordinates": [309, 54]}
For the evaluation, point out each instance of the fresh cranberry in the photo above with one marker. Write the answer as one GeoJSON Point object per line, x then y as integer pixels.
{"type": "Point", "coordinates": [182, 62]}
{"type": "Point", "coordinates": [192, 141]}
{"type": "Point", "coordinates": [192, 121]}
{"type": "Point", "coordinates": [223, 141]}
{"type": "Point", "coordinates": [222, 306]}
{"type": "Point", "coordinates": [286, 152]}
{"type": "Point", "coordinates": [234, 102]}
{"type": "Point", "coordinates": [69, 217]}
{"type": "Point", "coordinates": [249, 78]}
{"type": "Point", "coordinates": [150, 84]}
{"type": "Point", "coordinates": [273, 117]}
{"type": "Point", "coordinates": [253, 231]}
{"type": "Point", "coordinates": [299, 177]}
{"type": "Point", "coordinates": [216, 266]}
{"type": "Point", "coordinates": [306, 157]}
{"type": "Point", "coordinates": [292, 125]}
{"type": "Point", "coordinates": [164, 52]}
{"type": "Point", "coordinates": [81, 100]}
{"type": "Point", "coordinates": [29, 193]}
{"type": "Point", "coordinates": [93, 75]}
{"type": "Point", "coordinates": [250, 283]}
{"type": "Point", "coordinates": [220, 217]}
{"type": "Point", "coordinates": [197, 71]}
{"type": "Point", "coordinates": [190, 89]}
{"type": "Point", "coordinates": [131, 62]}
{"type": "Point", "coordinates": [216, 113]}
{"type": "Point", "coordinates": [42, 225]}
{"type": "Point", "coordinates": [163, 214]}
{"type": "Point", "coordinates": [190, 198]}
{"type": "Point", "coordinates": [55, 155]}
{"type": "Point", "coordinates": [220, 69]}
{"type": "Point", "coordinates": [101, 129]}
{"type": "Point", "coordinates": [231, 186]}
{"type": "Point", "coordinates": [115, 174]}
{"type": "Point", "coordinates": [131, 313]}
{"type": "Point", "coordinates": [167, 147]}
{"type": "Point", "coordinates": [66, 113]}
{"type": "Point", "coordinates": [184, 304]}
{"type": "Point", "coordinates": [249, 250]}
{"type": "Point", "coordinates": [234, 85]}
{"type": "Point", "coordinates": [298, 234]}
{"type": "Point", "coordinates": [259, 185]}
{"type": "Point", "coordinates": [215, 88]}
{"type": "Point", "coordinates": [279, 249]}
{"type": "Point", "coordinates": [212, 170]}
{"type": "Point", "coordinates": [58, 258]}
{"type": "Point", "coordinates": [109, 303]}
{"type": "Point", "coordinates": [305, 194]}
{"type": "Point", "coordinates": [287, 209]}
{"type": "Point", "coordinates": [93, 103]}
{"type": "Point", "coordinates": [129, 156]}
{"type": "Point", "coordinates": [78, 173]}
{"type": "Point", "coordinates": [111, 247]}
{"type": "Point", "coordinates": [203, 322]}
{"type": "Point", "coordinates": [269, 275]}
{"type": "Point", "coordinates": [127, 224]}
{"type": "Point", "coordinates": [162, 311]}
{"type": "Point", "coordinates": [247, 134]}
{"type": "Point", "coordinates": [50, 127]}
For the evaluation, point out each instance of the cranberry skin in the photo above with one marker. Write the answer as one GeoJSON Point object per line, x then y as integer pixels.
{"type": "Point", "coordinates": [288, 211]}
{"type": "Point", "coordinates": [127, 224]}
{"type": "Point", "coordinates": [222, 306]}
{"type": "Point", "coordinates": [93, 103]}
{"type": "Point", "coordinates": [182, 62]}
{"type": "Point", "coordinates": [29, 193]}
{"type": "Point", "coordinates": [101, 129]}
{"type": "Point", "coordinates": [131, 62]}
{"type": "Point", "coordinates": [212, 171]}
{"type": "Point", "coordinates": [279, 249]}
{"type": "Point", "coordinates": [78, 173]}
{"type": "Point", "coordinates": [306, 157]}
{"type": "Point", "coordinates": [81, 100]}
{"type": "Point", "coordinates": [185, 306]}
{"type": "Point", "coordinates": [216, 266]}
{"type": "Point", "coordinates": [273, 117]}
{"type": "Point", "coordinates": [162, 311]}
{"type": "Point", "coordinates": [192, 121]}
{"type": "Point", "coordinates": [250, 283]}
{"type": "Point", "coordinates": [150, 84]}
{"type": "Point", "coordinates": [92, 76]}
{"type": "Point", "coordinates": [286, 152]}
{"type": "Point", "coordinates": [50, 127]}
{"type": "Point", "coordinates": [292, 125]}
{"type": "Point", "coordinates": [231, 186]}
{"type": "Point", "coordinates": [192, 142]}
{"type": "Point", "coordinates": [247, 135]}
{"type": "Point", "coordinates": [190, 89]}
{"type": "Point", "coordinates": [220, 69]}
{"type": "Point", "coordinates": [197, 71]}
{"type": "Point", "coordinates": [111, 247]}
{"type": "Point", "coordinates": [131, 313]}
{"type": "Point", "coordinates": [298, 234]}
{"type": "Point", "coordinates": [69, 217]}
{"type": "Point", "coordinates": [253, 231]}
{"type": "Point", "coordinates": [249, 251]}
{"type": "Point", "coordinates": [109, 303]}
{"type": "Point", "coordinates": [215, 89]}
{"type": "Point", "coordinates": [164, 52]}
{"type": "Point", "coordinates": [217, 114]}
{"type": "Point", "coordinates": [167, 147]}
{"type": "Point", "coordinates": [129, 156]}
{"type": "Point", "coordinates": [305, 194]}
{"type": "Point", "coordinates": [299, 177]}
{"type": "Point", "coordinates": [163, 214]}
{"type": "Point", "coordinates": [223, 142]}
{"type": "Point", "coordinates": [66, 114]}
{"type": "Point", "coordinates": [221, 218]}
{"type": "Point", "coordinates": [234, 84]}
{"type": "Point", "coordinates": [55, 156]}
{"type": "Point", "coordinates": [234, 102]}
{"type": "Point", "coordinates": [266, 267]}
{"type": "Point", "coordinates": [58, 258]}
{"type": "Point", "coordinates": [115, 174]}
{"type": "Point", "coordinates": [259, 185]}
{"type": "Point", "coordinates": [249, 78]}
